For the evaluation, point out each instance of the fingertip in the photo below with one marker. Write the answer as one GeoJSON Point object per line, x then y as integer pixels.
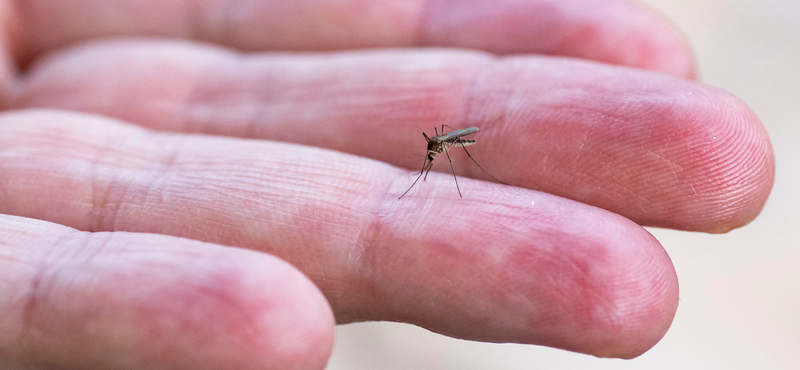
{"type": "Point", "coordinates": [619, 295]}
{"type": "Point", "coordinates": [663, 47]}
{"type": "Point", "coordinates": [283, 321]}
{"type": "Point", "coordinates": [729, 163]}
{"type": "Point", "coordinates": [662, 151]}
{"type": "Point", "coordinates": [305, 319]}
{"type": "Point", "coordinates": [610, 31]}
{"type": "Point", "coordinates": [551, 272]}
{"type": "Point", "coordinates": [642, 297]}
{"type": "Point", "coordinates": [747, 169]}
{"type": "Point", "coordinates": [119, 300]}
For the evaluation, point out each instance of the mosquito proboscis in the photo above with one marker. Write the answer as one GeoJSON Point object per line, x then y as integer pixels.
{"type": "Point", "coordinates": [441, 144]}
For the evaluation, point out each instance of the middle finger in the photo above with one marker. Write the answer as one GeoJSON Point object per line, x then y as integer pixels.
{"type": "Point", "coordinates": [658, 150]}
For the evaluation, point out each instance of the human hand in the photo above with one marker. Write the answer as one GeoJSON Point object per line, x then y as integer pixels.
{"type": "Point", "coordinates": [501, 264]}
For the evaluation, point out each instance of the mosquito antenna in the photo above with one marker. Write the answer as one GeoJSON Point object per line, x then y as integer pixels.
{"type": "Point", "coordinates": [476, 162]}
{"type": "Point", "coordinates": [424, 164]}
{"type": "Point", "coordinates": [451, 169]}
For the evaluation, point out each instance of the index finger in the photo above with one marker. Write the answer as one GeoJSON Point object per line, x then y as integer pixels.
{"type": "Point", "coordinates": [613, 31]}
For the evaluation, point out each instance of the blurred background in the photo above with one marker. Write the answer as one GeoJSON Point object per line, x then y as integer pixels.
{"type": "Point", "coordinates": [740, 292]}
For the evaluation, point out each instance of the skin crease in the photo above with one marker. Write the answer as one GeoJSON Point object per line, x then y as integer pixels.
{"type": "Point", "coordinates": [502, 264]}
{"type": "Point", "coordinates": [63, 308]}
{"type": "Point", "coordinates": [574, 121]}
{"type": "Point", "coordinates": [606, 281]}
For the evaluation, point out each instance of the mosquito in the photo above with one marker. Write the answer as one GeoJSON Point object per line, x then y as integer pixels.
{"type": "Point", "coordinates": [440, 144]}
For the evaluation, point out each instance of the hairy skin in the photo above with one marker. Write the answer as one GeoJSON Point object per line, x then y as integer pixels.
{"type": "Point", "coordinates": [172, 204]}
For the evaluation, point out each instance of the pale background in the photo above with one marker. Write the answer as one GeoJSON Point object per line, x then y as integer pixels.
{"type": "Point", "coordinates": [740, 292]}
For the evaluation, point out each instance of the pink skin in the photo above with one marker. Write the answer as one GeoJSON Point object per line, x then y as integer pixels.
{"type": "Point", "coordinates": [557, 273]}
{"type": "Point", "coordinates": [612, 31]}
{"type": "Point", "coordinates": [501, 264]}
{"type": "Point", "coordinates": [118, 300]}
{"type": "Point", "coordinates": [593, 133]}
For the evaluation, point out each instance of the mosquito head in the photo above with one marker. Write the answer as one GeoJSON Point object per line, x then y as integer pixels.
{"type": "Point", "coordinates": [440, 144]}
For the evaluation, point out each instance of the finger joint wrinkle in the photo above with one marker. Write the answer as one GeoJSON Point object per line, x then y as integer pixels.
{"type": "Point", "coordinates": [54, 253]}
{"type": "Point", "coordinates": [366, 249]}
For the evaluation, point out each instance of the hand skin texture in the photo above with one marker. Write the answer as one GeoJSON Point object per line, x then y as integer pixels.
{"type": "Point", "coordinates": [191, 184]}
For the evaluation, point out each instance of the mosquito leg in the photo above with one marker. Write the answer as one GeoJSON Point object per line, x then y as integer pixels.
{"type": "Point", "coordinates": [424, 164]}
{"type": "Point", "coordinates": [452, 170]}
{"type": "Point", "coordinates": [429, 171]}
{"type": "Point", "coordinates": [476, 162]}
{"type": "Point", "coordinates": [410, 187]}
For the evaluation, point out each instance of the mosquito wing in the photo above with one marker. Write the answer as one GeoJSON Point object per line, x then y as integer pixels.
{"type": "Point", "coordinates": [452, 136]}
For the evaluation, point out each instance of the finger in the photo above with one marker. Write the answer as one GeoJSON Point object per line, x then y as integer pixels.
{"type": "Point", "coordinates": [660, 151]}
{"type": "Point", "coordinates": [74, 300]}
{"type": "Point", "coordinates": [614, 31]}
{"type": "Point", "coordinates": [501, 264]}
